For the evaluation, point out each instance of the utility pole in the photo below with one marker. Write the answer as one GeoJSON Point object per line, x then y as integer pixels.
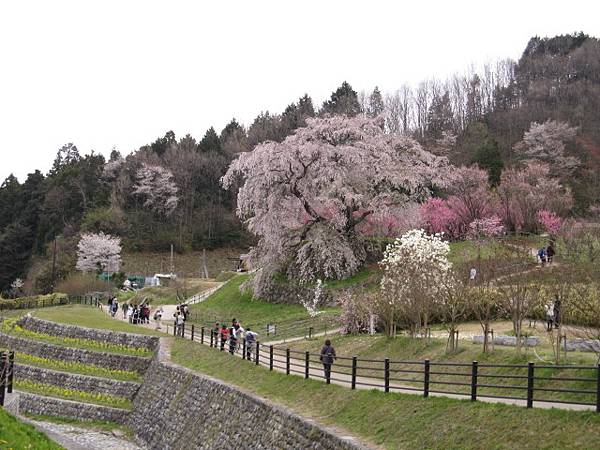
{"type": "Point", "coordinates": [53, 266]}
{"type": "Point", "coordinates": [172, 266]}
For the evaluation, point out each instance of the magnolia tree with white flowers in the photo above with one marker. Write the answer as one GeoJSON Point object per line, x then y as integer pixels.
{"type": "Point", "coordinates": [99, 253]}
{"type": "Point", "coordinates": [155, 184]}
{"type": "Point", "coordinates": [415, 271]}
{"type": "Point", "coordinates": [306, 197]}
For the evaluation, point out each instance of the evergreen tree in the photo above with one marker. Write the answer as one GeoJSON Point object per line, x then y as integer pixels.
{"type": "Point", "coordinates": [161, 145]}
{"type": "Point", "coordinates": [233, 138]}
{"type": "Point", "coordinates": [210, 142]}
{"type": "Point", "coordinates": [343, 101]}
{"type": "Point", "coordinates": [376, 105]}
{"type": "Point", "coordinates": [439, 117]}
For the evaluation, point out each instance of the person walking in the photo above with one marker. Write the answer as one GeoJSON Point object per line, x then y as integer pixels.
{"type": "Point", "coordinates": [542, 255]}
{"type": "Point", "coordinates": [550, 252]}
{"type": "Point", "coordinates": [327, 358]}
{"type": "Point", "coordinates": [158, 317]}
{"type": "Point", "coordinates": [180, 321]}
{"type": "Point", "coordinates": [224, 336]}
{"type": "Point", "coordinates": [250, 338]}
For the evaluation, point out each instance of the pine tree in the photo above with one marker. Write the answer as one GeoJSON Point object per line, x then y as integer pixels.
{"type": "Point", "coordinates": [343, 101]}
{"type": "Point", "coordinates": [376, 105]}
{"type": "Point", "coordinates": [210, 142]}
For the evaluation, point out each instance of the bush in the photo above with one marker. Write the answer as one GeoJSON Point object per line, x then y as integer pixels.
{"type": "Point", "coordinates": [80, 284]}
{"type": "Point", "coordinates": [37, 301]}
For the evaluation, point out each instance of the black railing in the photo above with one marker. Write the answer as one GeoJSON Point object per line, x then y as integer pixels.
{"type": "Point", "coordinates": [517, 383]}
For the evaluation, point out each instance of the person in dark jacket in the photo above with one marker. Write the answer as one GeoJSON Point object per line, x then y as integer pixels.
{"type": "Point", "coordinates": [327, 357]}
{"type": "Point", "coordinates": [550, 253]}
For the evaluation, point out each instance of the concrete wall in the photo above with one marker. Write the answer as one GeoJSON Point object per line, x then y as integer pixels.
{"type": "Point", "coordinates": [112, 337]}
{"type": "Point", "coordinates": [110, 360]}
{"type": "Point", "coordinates": [177, 408]}
{"type": "Point", "coordinates": [77, 382]}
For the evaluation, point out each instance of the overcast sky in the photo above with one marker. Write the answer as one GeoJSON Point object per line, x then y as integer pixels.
{"type": "Point", "coordinates": [121, 73]}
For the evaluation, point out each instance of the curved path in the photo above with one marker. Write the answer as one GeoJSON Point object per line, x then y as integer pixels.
{"type": "Point", "coordinates": [297, 367]}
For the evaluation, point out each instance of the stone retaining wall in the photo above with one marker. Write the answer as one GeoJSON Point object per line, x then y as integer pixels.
{"type": "Point", "coordinates": [77, 382]}
{"type": "Point", "coordinates": [177, 408]}
{"type": "Point", "coordinates": [38, 404]}
{"type": "Point", "coordinates": [112, 337]}
{"type": "Point", "coordinates": [509, 341]}
{"type": "Point", "coordinates": [45, 350]}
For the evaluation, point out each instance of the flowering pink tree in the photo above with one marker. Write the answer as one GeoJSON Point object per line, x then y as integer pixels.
{"type": "Point", "coordinates": [306, 196]}
{"type": "Point", "coordinates": [156, 185]}
{"type": "Point", "coordinates": [545, 142]}
{"type": "Point", "coordinates": [486, 228]}
{"type": "Point", "coordinates": [549, 221]}
{"type": "Point", "coordinates": [438, 217]}
{"type": "Point", "coordinates": [524, 192]}
{"type": "Point", "coordinates": [99, 252]}
{"type": "Point", "coordinates": [391, 222]}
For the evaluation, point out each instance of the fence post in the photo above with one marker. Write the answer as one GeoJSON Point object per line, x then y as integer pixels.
{"type": "Point", "coordinates": [244, 352]}
{"type": "Point", "coordinates": [211, 337]}
{"type": "Point", "coordinates": [306, 364]}
{"type": "Point", "coordinates": [354, 372]}
{"type": "Point", "coordinates": [310, 332]}
{"type": "Point", "coordinates": [11, 369]}
{"type": "Point", "coordinates": [202, 335]}
{"type": "Point", "coordinates": [270, 357]}
{"type": "Point", "coordinates": [426, 379]}
{"type": "Point", "coordinates": [257, 353]}
{"type": "Point", "coordinates": [175, 328]}
{"type": "Point", "coordinates": [287, 361]}
{"type": "Point", "coordinates": [192, 333]}
{"type": "Point", "coordinates": [386, 375]}
{"type": "Point", "coordinates": [267, 330]}
{"type": "Point", "coordinates": [222, 342]}
{"type": "Point", "coordinates": [2, 377]}
{"type": "Point", "coordinates": [474, 381]}
{"type": "Point", "coordinates": [530, 368]}
{"type": "Point", "coordinates": [183, 330]}
{"type": "Point", "coordinates": [598, 388]}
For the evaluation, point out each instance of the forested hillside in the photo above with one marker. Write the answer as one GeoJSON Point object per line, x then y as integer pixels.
{"type": "Point", "coordinates": [544, 107]}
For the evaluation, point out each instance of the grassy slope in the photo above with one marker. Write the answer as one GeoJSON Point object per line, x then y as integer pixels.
{"type": "Point", "coordinates": [228, 303]}
{"type": "Point", "coordinates": [398, 421]}
{"type": "Point", "coordinates": [18, 435]}
{"type": "Point", "coordinates": [87, 316]}
{"type": "Point", "coordinates": [166, 295]}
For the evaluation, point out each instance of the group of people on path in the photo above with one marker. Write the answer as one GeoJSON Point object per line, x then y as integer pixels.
{"type": "Point", "coordinates": [233, 335]}
{"type": "Point", "coordinates": [552, 314]}
{"type": "Point", "coordinates": [546, 254]}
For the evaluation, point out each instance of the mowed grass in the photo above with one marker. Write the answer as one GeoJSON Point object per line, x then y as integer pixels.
{"type": "Point", "coordinates": [401, 348]}
{"type": "Point", "coordinates": [17, 435]}
{"type": "Point", "coordinates": [228, 303]}
{"type": "Point", "coordinates": [167, 295]}
{"type": "Point", "coordinates": [397, 421]}
{"type": "Point", "coordinates": [90, 317]}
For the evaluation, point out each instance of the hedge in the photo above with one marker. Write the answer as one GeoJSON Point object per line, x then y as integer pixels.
{"type": "Point", "coordinates": [37, 301]}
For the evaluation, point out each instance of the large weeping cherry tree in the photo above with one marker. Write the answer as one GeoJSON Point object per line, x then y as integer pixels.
{"type": "Point", "coordinates": [304, 198]}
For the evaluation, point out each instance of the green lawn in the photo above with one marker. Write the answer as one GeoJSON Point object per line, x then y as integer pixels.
{"type": "Point", "coordinates": [87, 316]}
{"type": "Point", "coordinates": [167, 295]}
{"type": "Point", "coordinates": [228, 303]}
{"type": "Point", "coordinates": [402, 348]}
{"type": "Point", "coordinates": [18, 435]}
{"type": "Point", "coordinates": [397, 421]}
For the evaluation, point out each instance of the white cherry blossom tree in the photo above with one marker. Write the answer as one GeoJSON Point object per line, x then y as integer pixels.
{"type": "Point", "coordinates": [156, 185]}
{"type": "Point", "coordinates": [99, 252]}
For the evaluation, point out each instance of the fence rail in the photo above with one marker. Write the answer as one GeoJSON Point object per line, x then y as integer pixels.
{"type": "Point", "coordinates": [524, 383]}
{"type": "Point", "coordinates": [47, 303]}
